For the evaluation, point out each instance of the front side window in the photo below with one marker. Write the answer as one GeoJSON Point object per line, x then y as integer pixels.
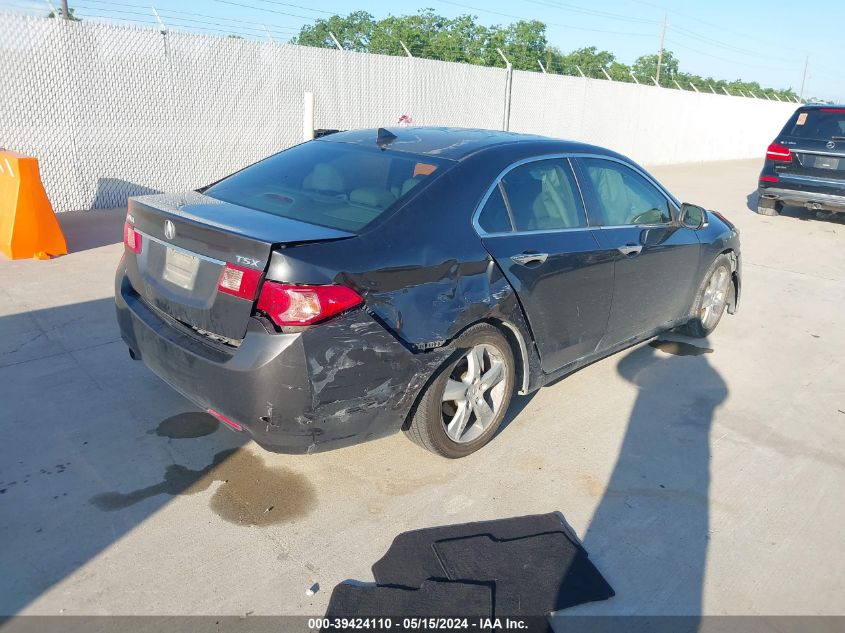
{"type": "Point", "coordinates": [328, 183]}
{"type": "Point", "coordinates": [624, 196]}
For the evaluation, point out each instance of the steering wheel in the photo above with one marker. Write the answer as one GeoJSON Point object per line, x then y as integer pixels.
{"type": "Point", "coordinates": [652, 216]}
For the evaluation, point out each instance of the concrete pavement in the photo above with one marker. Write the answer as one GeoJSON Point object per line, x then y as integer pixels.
{"type": "Point", "coordinates": [700, 481]}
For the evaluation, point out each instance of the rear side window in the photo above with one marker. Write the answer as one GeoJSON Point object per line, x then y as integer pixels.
{"type": "Point", "coordinates": [537, 196]}
{"type": "Point", "coordinates": [328, 183]}
{"type": "Point", "coordinates": [823, 124]}
{"type": "Point", "coordinates": [494, 217]}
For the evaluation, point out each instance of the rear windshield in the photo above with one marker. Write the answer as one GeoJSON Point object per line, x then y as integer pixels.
{"type": "Point", "coordinates": [823, 124]}
{"type": "Point", "coordinates": [328, 183]}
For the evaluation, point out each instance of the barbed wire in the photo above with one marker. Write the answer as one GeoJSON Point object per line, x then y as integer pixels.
{"type": "Point", "coordinates": [476, 52]}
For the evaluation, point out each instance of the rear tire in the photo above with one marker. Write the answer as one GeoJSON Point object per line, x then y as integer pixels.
{"type": "Point", "coordinates": [711, 300]}
{"type": "Point", "coordinates": [463, 407]}
{"type": "Point", "coordinates": [767, 206]}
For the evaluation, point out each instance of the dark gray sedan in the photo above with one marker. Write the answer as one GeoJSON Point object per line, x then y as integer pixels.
{"type": "Point", "coordinates": [414, 279]}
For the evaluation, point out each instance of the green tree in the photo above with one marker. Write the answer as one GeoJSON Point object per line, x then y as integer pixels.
{"type": "Point", "coordinates": [70, 14]}
{"type": "Point", "coordinates": [463, 39]}
{"type": "Point", "coordinates": [645, 67]}
{"type": "Point", "coordinates": [353, 32]}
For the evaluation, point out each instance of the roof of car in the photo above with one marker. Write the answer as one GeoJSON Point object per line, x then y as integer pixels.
{"type": "Point", "coordinates": [818, 106]}
{"type": "Point", "coordinates": [453, 143]}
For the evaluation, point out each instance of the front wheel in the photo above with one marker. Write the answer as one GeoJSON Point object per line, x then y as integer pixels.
{"type": "Point", "coordinates": [460, 411]}
{"type": "Point", "coordinates": [711, 300]}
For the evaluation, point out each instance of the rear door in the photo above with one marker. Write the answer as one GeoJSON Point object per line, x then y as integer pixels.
{"type": "Point", "coordinates": [534, 225]}
{"type": "Point", "coordinates": [815, 138]}
{"type": "Point", "coordinates": [198, 259]}
{"type": "Point", "coordinates": [656, 259]}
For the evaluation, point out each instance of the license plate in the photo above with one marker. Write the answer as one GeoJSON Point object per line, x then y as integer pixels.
{"type": "Point", "coordinates": [180, 269]}
{"type": "Point", "coordinates": [826, 162]}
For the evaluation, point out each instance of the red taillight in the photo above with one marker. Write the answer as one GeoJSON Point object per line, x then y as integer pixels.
{"type": "Point", "coordinates": [778, 153]}
{"type": "Point", "coordinates": [837, 110]}
{"type": "Point", "coordinates": [131, 238]}
{"type": "Point", "coordinates": [239, 281]}
{"type": "Point", "coordinates": [769, 179]}
{"type": "Point", "coordinates": [225, 420]}
{"type": "Point", "coordinates": [287, 304]}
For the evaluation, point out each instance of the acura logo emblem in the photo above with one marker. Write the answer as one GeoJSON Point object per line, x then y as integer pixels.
{"type": "Point", "coordinates": [169, 230]}
{"type": "Point", "coordinates": [831, 145]}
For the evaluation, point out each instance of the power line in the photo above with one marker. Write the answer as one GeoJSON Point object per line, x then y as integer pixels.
{"type": "Point", "coordinates": [296, 6]}
{"type": "Point", "coordinates": [522, 18]}
{"type": "Point", "coordinates": [563, 6]}
{"type": "Point", "coordinates": [146, 18]}
{"type": "Point", "coordinates": [252, 6]}
{"type": "Point", "coordinates": [177, 20]}
{"type": "Point", "coordinates": [724, 59]}
{"type": "Point", "coordinates": [722, 27]}
{"type": "Point", "coordinates": [201, 15]}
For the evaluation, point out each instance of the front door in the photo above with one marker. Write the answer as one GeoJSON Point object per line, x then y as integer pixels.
{"type": "Point", "coordinates": [656, 259]}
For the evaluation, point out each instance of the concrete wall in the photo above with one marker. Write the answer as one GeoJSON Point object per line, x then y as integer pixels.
{"type": "Point", "coordinates": [113, 111]}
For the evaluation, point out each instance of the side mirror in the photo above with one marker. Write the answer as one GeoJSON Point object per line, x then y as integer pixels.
{"type": "Point", "coordinates": [693, 216]}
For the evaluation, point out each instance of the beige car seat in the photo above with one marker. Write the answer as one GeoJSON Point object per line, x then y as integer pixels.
{"type": "Point", "coordinates": [324, 178]}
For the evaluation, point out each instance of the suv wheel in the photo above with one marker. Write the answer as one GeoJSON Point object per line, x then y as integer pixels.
{"type": "Point", "coordinates": [767, 206]}
{"type": "Point", "coordinates": [460, 411]}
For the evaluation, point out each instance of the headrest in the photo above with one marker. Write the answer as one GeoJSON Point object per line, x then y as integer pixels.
{"type": "Point", "coordinates": [372, 197]}
{"type": "Point", "coordinates": [324, 177]}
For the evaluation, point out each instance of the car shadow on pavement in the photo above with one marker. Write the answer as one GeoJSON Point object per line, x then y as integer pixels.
{"type": "Point", "coordinates": [94, 444]}
{"type": "Point", "coordinates": [650, 530]}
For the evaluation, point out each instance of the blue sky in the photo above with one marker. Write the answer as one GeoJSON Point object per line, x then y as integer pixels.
{"type": "Point", "coordinates": [752, 40]}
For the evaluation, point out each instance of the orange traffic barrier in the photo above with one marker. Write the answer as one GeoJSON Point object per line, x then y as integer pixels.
{"type": "Point", "coordinates": [28, 226]}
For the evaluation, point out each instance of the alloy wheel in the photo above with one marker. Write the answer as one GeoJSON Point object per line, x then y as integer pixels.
{"type": "Point", "coordinates": [474, 393]}
{"type": "Point", "coordinates": [715, 298]}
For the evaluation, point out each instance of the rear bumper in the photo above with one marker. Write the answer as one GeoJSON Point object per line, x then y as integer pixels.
{"type": "Point", "coordinates": [803, 198]}
{"type": "Point", "coordinates": [336, 384]}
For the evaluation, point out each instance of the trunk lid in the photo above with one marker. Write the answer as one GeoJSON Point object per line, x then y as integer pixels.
{"type": "Point", "coordinates": [816, 139]}
{"type": "Point", "coordinates": [186, 242]}
{"type": "Point", "coordinates": [817, 159]}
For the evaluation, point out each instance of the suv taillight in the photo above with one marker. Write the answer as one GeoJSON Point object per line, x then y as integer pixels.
{"type": "Point", "coordinates": [131, 238]}
{"type": "Point", "coordinates": [288, 304]}
{"type": "Point", "coordinates": [778, 153]}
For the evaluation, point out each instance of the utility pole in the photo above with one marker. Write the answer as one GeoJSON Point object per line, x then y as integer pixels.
{"type": "Point", "coordinates": [65, 10]}
{"type": "Point", "coordinates": [804, 78]}
{"type": "Point", "coordinates": [660, 53]}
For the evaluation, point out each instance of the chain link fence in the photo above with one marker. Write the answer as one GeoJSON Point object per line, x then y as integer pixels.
{"type": "Point", "coordinates": [113, 111]}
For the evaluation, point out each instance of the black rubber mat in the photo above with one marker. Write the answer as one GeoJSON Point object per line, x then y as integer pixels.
{"type": "Point", "coordinates": [410, 560]}
{"type": "Point", "coordinates": [533, 575]}
{"type": "Point", "coordinates": [433, 599]}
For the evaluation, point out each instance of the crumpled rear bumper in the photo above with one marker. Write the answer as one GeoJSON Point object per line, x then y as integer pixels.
{"type": "Point", "coordinates": [335, 384]}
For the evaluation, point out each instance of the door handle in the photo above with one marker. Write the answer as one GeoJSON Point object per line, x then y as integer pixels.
{"type": "Point", "coordinates": [530, 258]}
{"type": "Point", "coordinates": [630, 250]}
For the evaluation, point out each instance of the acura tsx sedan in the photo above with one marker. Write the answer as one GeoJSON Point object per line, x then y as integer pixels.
{"type": "Point", "coordinates": [377, 280]}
